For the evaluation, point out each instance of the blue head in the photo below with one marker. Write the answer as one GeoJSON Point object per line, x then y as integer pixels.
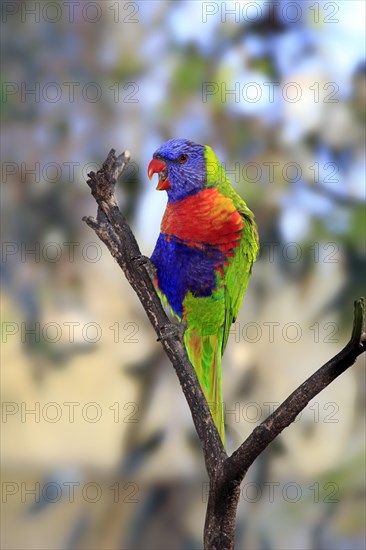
{"type": "Point", "coordinates": [181, 166]}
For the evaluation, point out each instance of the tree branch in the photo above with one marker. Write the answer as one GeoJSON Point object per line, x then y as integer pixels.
{"type": "Point", "coordinates": [225, 473]}
{"type": "Point", "coordinates": [239, 462]}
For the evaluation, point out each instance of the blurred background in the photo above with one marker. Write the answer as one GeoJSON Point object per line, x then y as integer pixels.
{"type": "Point", "coordinates": [98, 446]}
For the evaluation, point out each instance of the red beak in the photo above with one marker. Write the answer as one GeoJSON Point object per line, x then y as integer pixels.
{"type": "Point", "coordinates": [159, 167]}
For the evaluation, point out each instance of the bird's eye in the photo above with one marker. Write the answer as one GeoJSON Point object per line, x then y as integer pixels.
{"type": "Point", "coordinates": [182, 158]}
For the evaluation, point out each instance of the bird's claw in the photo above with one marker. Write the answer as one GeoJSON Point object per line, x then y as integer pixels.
{"type": "Point", "coordinates": [171, 331]}
{"type": "Point", "coordinates": [144, 261]}
{"type": "Point", "coordinates": [141, 260]}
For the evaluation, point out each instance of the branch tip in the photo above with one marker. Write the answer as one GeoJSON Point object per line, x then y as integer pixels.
{"type": "Point", "coordinates": [120, 164]}
{"type": "Point", "coordinates": [92, 222]}
{"type": "Point", "coordinates": [358, 331]}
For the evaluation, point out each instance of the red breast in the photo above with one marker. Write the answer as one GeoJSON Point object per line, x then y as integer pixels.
{"type": "Point", "coordinates": [205, 218]}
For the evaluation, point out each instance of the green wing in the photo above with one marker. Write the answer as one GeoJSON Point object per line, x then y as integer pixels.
{"type": "Point", "coordinates": [236, 276]}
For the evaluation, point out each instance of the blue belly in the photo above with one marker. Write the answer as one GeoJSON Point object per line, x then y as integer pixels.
{"type": "Point", "coordinates": [181, 269]}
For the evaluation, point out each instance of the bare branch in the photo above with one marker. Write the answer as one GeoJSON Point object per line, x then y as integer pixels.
{"type": "Point", "coordinates": [286, 413]}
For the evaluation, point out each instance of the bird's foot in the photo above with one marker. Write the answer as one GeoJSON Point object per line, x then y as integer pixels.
{"type": "Point", "coordinates": [171, 331]}
{"type": "Point", "coordinates": [144, 261]}
{"type": "Point", "coordinates": [140, 260]}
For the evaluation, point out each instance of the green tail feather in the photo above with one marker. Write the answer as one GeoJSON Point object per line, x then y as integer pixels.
{"type": "Point", "coordinates": [204, 352]}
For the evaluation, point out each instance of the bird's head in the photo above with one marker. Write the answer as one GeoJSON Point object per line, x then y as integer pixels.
{"type": "Point", "coordinates": [181, 167]}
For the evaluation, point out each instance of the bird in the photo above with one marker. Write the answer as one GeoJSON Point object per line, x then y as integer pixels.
{"type": "Point", "coordinates": [203, 256]}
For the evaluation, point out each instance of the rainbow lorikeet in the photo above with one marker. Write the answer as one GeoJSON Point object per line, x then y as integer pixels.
{"type": "Point", "coordinates": [203, 257]}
